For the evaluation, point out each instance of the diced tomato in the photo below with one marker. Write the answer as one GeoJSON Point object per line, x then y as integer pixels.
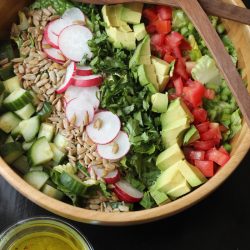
{"type": "Point", "coordinates": [194, 93]}
{"type": "Point", "coordinates": [223, 150]}
{"type": "Point", "coordinates": [168, 58]}
{"type": "Point", "coordinates": [211, 134]}
{"type": "Point", "coordinates": [197, 155]}
{"type": "Point", "coordinates": [203, 127]}
{"type": "Point", "coordinates": [178, 84]}
{"type": "Point", "coordinates": [157, 40]}
{"type": "Point", "coordinates": [177, 53]}
{"type": "Point", "coordinates": [162, 27]}
{"type": "Point", "coordinates": [217, 156]}
{"type": "Point", "coordinates": [174, 39]}
{"type": "Point", "coordinates": [164, 12]}
{"type": "Point", "coordinates": [151, 28]}
{"type": "Point", "coordinates": [209, 94]}
{"type": "Point", "coordinates": [150, 14]}
{"type": "Point", "coordinates": [206, 167]}
{"type": "Point", "coordinates": [200, 115]}
{"type": "Point", "coordinates": [180, 69]}
{"type": "Point", "coordinates": [204, 145]}
{"type": "Point", "coordinates": [172, 96]}
{"type": "Point", "coordinates": [185, 45]}
{"type": "Point", "coordinates": [189, 66]}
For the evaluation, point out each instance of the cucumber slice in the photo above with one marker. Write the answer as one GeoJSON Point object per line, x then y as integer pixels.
{"type": "Point", "coordinates": [11, 151]}
{"type": "Point", "coordinates": [61, 141]}
{"type": "Point", "coordinates": [17, 99]}
{"type": "Point", "coordinates": [46, 130]}
{"type": "Point", "coordinates": [46, 111]}
{"type": "Point", "coordinates": [26, 112]}
{"type": "Point", "coordinates": [36, 178]}
{"type": "Point", "coordinates": [9, 139]}
{"type": "Point", "coordinates": [27, 145]}
{"type": "Point", "coordinates": [7, 72]}
{"type": "Point", "coordinates": [12, 84]}
{"type": "Point", "coordinates": [52, 192]}
{"type": "Point", "coordinates": [2, 97]}
{"type": "Point", "coordinates": [40, 152]}
{"type": "Point", "coordinates": [21, 164]}
{"type": "Point", "coordinates": [51, 183]}
{"type": "Point", "coordinates": [8, 122]}
{"type": "Point", "coordinates": [35, 100]}
{"type": "Point", "coordinates": [37, 168]}
{"type": "Point", "coordinates": [29, 128]}
{"type": "Point", "coordinates": [73, 183]}
{"type": "Point", "coordinates": [59, 156]}
{"type": "Point", "coordinates": [16, 132]}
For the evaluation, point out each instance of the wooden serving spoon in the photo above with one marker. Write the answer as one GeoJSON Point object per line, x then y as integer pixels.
{"type": "Point", "coordinates": [212, 7]}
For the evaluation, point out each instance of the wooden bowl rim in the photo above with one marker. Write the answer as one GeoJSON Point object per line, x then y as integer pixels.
{"type": "Point", "coordinates": [135, 217]}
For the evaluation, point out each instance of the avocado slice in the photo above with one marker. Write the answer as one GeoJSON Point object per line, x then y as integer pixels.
{"type": "Point", "coordinates": [161, 67]}
{"type": "Point", "coordinates": [163, 82]}
{"type": "Point", "coordinates": [159, 197]}
{"type": "Point", "coordinates": [131, 13]}
{"type": "Point", "coordinates": [120, 23]}
{"type": "Point", "coordinates": [191, 135]}
{"type": "Point", "coordinates": [159, 102]}
{"type": "Point", "coordinates": [192, 174]}
{"type": "Point", "coordinates": [147, 77]}
{"type": "Point", "coordinates": [176, 110]}
{"type": "Point", "coordinates": [140, 31]}
{"type": "Point", "coordinates": [169, 157]}
{"type": "Point", "coordinates": [182, 188]}
{"type": "Point", "coordinates": [173, 132]}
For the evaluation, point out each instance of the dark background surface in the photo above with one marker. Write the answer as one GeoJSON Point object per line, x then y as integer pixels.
{"type": "Point", "coordinates": [221, 222]}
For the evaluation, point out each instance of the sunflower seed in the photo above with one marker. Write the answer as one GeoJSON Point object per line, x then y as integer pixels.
{"type": "Point", "coordinates": [30, 77]}
{"type": "Point", "coordinates": [21, 69]}
{"type": "Point", "coordinates": [17, 60]}
{"type": "Point", "coordinates": [98, 124]}
{"type": "Point", "coordinates": [42, 82]}
{"type": "Point", "coordinates": [115, 148]}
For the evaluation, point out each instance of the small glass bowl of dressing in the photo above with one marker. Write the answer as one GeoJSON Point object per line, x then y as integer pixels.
{"type": "Point", "coordinates": [41, 233]}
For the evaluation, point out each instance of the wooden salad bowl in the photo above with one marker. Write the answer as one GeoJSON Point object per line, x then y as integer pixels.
{"type": "Point", "coordinates": [240, 35]}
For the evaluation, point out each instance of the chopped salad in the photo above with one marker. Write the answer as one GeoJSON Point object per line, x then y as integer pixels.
{"type": "Point", "coordinates": [115, 107]}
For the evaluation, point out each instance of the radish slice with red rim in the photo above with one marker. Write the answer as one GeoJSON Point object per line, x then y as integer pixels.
{"type": "Point", "coordinates": [107, 130]}
{"type": "Point", "coordinates": [125, 192]}
{"type": "Point", "coordinates": [116, 149]}
{"type": "Point", "coordinates": [74, 16]}
{"type": "Point", "coordinates": [84, 70]}
{"type": "Point", "coordinates": [73, 42]}
{"type": "Point", "coordinates": [58, 25]}
{"type": "Point", "coordinates": [70, 72]}
{"type": "Point", "coordinates": [50, 37]}
{"type": "Point", "coordinates": [88, 94]}
{"type": "Point", "coordinates": [83, 112]}
{"type": "Point", "coordinates": [88, 81]}
{"type": "Point", "coordinates": [54, 54]}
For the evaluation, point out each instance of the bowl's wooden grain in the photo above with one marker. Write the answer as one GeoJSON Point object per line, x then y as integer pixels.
{"type": "Point", "coordinates": [240, 35]}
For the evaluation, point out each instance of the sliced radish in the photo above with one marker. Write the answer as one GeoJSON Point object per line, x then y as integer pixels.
{"type": "Point", "coordinates": [50, 37]}
{"type": "Point", "coordinates": [88, 94]}
{"type": "Point", "coordinates": [83, 112]}
{"type": "Point", "coordinates": [88, 81]}
{"type": "Point", "coordinates": [125, 192]}
{"type": "Point", "coordinates": [54, 54]}
{"type": "Point", "coordinates": [109, 129]}
{"type": "Point", "coordinates": [74, 16]}
{"type": "Point", "coordinates": [58, 25]}
{"type": "Point", "coordinates": [69, 78]}
{"type": "Point", "coordinates": [121, 142]}
{"type": "Point", "coordinates": [73, 42]}
{"type": "Point", "coordinates": [112, 177]}
{"type": "Point", "coordinates": [84, 70]}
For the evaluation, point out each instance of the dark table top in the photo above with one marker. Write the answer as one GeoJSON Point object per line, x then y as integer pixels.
{"type": "Point", "coordinates": [220, 222]}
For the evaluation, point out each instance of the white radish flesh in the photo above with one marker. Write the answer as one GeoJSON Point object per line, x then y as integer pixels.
{"type": "Point", "coordinates": [84, 71]}
{"type": "Point", "coordinates": [73, 42]}
{"type": "Point", "coordinates": [79, 110]}
{"type": "Point", "coordinates": [107, 131]}
{"type": "Point", "coordinates": [70, 72]}
{"type": "Point", "coordinates": [108, 151]}
{"type": "Point", "coordinates": [126, 192]}
{"type": "Point", "coordinates": [50, 37]}
{"type": "Point", "coordinates": [88, 81]}
{"type": "Point", "coordinates": [54, 54]}
{"type": "Point", "coordinates": [58, 25]}
{"type": "Point", "coordinates": [74, 16]}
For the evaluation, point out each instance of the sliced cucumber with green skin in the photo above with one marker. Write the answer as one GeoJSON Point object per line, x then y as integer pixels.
{"type": "Point", "coordinates": [12, 84]}
{"type": "Point", "coordinates": [61, 141]}
{"type": "Point", "coordinates": [59, 156]}
{"type": "Point", "coordinates": [8, 122]}
{"type": "Point", "coordinates": [11, 151]}
{"type": "Point", "coordinates": [51, 183]}
{"type": "Point", "coordinates": [21, 164]}
{"type": "Point", "coordinates": [52, 192]}
{"type": "Point", "coordinates": [40, 152]}
{"type": "Point", "coordinates": [46, 130]}
{"type": "Point", "coordinates": [2, 108]}
{"type": "Point", "coordinates": [29, 128]}
{"type": "Point", "coordinates": [73, 183]}
{"type": "Point", "coordinates": [27, 145]}
{"type": "Point", "coordinates": [16, 132]}
{"type": "Point", "coordinates": [35, 100]}
{"type": "Point", "coordinates": [7, 72]}
{"type": "Point", "coordinates": [26, 112]}
{"type": "Point", "coordinates": [9, 139]}
{"type": "Point", "coordinates": [46, 111]}
{"type": "Point", "coordinates": [17, 99]}
{"type": "Point", "coordinates": [37, 168]}
{"type": "Point", "coordinates": [36, 178]}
